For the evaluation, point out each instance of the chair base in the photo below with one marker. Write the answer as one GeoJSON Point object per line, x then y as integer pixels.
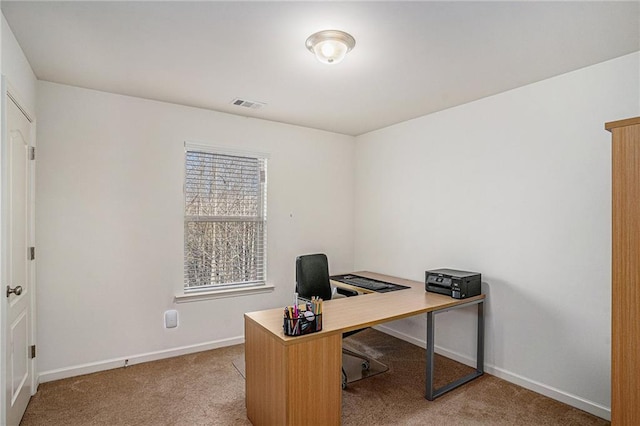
{"type": "Point", "coordinates": [366, 361]}
{"type": "Point", "coordinates": [352, 367]}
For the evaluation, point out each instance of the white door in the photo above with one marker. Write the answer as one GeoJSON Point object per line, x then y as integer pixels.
{"type": "Point", "coordinates": [17, 273]}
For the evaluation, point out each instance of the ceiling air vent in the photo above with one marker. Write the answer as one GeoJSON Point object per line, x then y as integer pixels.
{"type": "Point", "coordinates": [248, 104]}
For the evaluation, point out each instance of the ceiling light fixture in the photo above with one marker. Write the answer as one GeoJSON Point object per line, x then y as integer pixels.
{"type": "Point", "coordinates": [330, 46]}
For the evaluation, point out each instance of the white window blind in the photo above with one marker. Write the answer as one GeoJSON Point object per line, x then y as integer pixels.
{"type": "Point", "coordinates": [225, 220]}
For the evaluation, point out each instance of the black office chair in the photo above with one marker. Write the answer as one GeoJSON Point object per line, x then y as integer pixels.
{"type": "Point", "coordinates": [312, 279]}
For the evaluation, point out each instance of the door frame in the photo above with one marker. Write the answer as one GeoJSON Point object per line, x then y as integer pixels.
{"type": "Point", "coordinates": [8, 91]}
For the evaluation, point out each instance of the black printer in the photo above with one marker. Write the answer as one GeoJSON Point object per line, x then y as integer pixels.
{"type": "Point", "coordinates": [457, 284]}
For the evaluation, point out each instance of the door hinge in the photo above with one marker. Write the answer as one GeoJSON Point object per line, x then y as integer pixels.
{"type": "Point", "coordinates": [32, 253]}
{"type": "Point", "coordinates": [32, 153]}
{"type": "Point", "coordinates": [33, 351]}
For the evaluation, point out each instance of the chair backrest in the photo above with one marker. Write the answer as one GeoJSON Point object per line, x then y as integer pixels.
{"type": "Point", "coordinates": [312, 276]}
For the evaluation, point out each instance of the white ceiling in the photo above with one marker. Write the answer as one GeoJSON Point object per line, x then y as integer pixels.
{"type": "Point", "coordinates": [410, 58]}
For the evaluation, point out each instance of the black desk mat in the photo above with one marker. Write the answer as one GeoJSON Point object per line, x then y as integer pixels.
{"type": "Point", "coordinates": [368, 283]}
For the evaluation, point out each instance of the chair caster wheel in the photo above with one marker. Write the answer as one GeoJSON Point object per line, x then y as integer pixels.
{"type": "Point", "coordinates": [344, 380]}
{"type": "Point", "coordinates": [366, 365]}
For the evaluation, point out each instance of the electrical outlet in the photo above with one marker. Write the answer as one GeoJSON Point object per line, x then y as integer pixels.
{"type": "Point", "coordinates": [171, 319]}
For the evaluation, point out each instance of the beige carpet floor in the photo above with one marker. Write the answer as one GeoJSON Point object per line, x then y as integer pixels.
{"type": "Point", "coordinates": [206, 389]}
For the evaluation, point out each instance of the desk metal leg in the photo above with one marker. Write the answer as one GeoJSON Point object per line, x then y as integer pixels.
{"type": "Point", "coordinates": [430, 355]}
{"type": "Point", "coordinates": [480, 344]}
{"type": "Point", "coordinates": [432, 393]}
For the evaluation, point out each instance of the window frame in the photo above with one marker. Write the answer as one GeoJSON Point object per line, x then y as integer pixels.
{"type": "Point", "coordinates": [228, 289]}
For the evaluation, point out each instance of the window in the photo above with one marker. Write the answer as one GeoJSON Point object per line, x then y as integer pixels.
{"type": "Point", "coordinates": [224, 219]}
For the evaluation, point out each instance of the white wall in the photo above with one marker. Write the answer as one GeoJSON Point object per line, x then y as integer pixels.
{"type": "Point", "coordinates": [110, 223]}
{"type": "Point", "coordinates": [517, 187]}
{"type": "Point", "coordinates": [17, 70]}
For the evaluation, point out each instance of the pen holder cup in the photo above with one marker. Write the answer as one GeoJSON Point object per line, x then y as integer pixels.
{"type": "Point", "coordinates": [302, 325]}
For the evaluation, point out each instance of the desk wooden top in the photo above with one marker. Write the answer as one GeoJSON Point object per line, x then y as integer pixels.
{"type": "Point", "coordinates": [366, 310]}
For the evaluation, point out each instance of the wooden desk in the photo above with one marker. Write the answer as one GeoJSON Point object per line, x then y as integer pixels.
{"type": "Point", "coordinates": [297, 380]}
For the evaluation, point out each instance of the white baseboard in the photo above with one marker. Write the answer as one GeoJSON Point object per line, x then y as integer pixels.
{"type": "Point", "coordinates": [94, 367]}
{"type": "Point", "coordinates": [551, 392]}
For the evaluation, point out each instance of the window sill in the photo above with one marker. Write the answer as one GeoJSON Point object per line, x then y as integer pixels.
{"type": "Point", "coordinates": [219, 294]}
